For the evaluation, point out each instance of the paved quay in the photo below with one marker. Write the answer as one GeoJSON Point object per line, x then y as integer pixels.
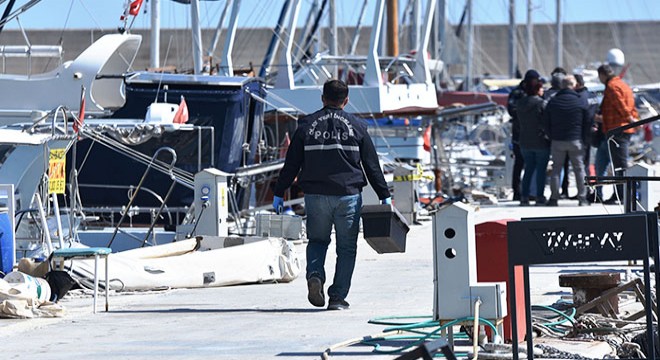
{"type": "Point", "coordinates": [263, 321]}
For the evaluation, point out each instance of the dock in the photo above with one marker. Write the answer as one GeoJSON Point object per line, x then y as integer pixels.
{"type": "Point", "coordinates": [273, 321]}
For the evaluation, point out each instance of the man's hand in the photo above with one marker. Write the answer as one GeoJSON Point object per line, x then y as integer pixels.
{"type": "Point", "coordinates": [598, 118]}
{"type": "Point", "coordinates": [278, 204]}
{"type": "Point", "coordinates": [386, 201]}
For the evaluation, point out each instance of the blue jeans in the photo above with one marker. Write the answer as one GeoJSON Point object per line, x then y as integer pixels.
{"type": "Point", "coordinates": [324, 211]}
{"type": "Point", "coordinates": [536, 162]}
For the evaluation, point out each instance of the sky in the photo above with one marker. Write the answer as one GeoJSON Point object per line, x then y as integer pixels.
{"type": "Point", "coordinates": [104, 14]}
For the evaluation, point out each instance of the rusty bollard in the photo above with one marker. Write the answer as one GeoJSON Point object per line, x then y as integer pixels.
{"type": "Point", "coordinates": [588, 286]}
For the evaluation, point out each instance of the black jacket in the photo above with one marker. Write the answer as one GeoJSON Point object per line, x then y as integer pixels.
{"type": "Point", "coordinates": [512, 107]}
{"type": "Point", "coordinates": [567, 117]}
{"type": "Point", "coordinates": [328, 152]}
{"type": "Point", "coordinates": [530, 116]}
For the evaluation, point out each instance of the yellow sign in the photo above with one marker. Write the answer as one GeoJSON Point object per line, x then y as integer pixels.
{"type": "Point", "coordinates": [56, 171]}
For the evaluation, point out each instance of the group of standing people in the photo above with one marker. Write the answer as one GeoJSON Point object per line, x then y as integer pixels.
{"type": "Point", "coordinates": [562, 123]}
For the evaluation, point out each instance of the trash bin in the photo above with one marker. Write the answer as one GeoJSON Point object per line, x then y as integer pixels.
{"type": "Point", "coordinates": [493, 265]}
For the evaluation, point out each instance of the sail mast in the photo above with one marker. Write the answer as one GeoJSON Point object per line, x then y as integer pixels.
{"type": "Point", "coordinates": [196, 36]}
{"type": "Point", "coordinates": [392, 27]}
{"type": "Point", "coordinates": [513, 58]}
{"type": "Point", "coordinates": [560, 35]}
{"type": "Point", "coordinates": [154, 58]}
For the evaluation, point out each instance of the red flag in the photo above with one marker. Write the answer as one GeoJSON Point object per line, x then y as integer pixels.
{"type": "Point", "coordinates": [181, 115]}
{"type": "Point", "coordinates": [427, 139]}
{"type": "Point", "coordinates": [77, 122]}
{"type": "Point", "coordinates": [134, 7]}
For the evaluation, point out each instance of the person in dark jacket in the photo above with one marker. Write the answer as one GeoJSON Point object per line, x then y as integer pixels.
{"type": "Point", "coordinates": [556, 76]}
{"type": "Point", "coordinates": [534, 143]}
{"type": "Point", "coordinates": [568, 124]}
{"type": "Point", "coordinates": [328, 153]}
{"type": "Point", "coordinates": [518, 161]}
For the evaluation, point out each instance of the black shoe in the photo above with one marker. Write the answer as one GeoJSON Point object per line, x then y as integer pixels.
{"type": "Point", "coordinates": [524, 201]}
{"type": "Point", "coordinates": [612, 201]}
{"type": "Point", "coordinates": [315, 292]}
{"type": "Point", "coordinates": [584, 202]}
{"type": "Point", "coordinates": [337, 305]}
{"type": "Point", "coordinates": [563, 195]}
{"type": "Point", "coordinates": [552, 202]}
{"type": "Point", "coordinates": [541, 201]}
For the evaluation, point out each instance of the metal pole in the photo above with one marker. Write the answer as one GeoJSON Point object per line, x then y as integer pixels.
{"type": "Point", "coordinates": [154, 60]}
{"type": "Point", "coordinates": [512, 39]}
{"type": "Point", "coordinates": [274, 40]}
{"type": "Point", "coordinates": [358, 27]}
{"type": "Point", "coordinates": [530, 35]}
{"type": "Point", "coordinates": [470, 48]}
{"type": "Point", "coordinates": [333, 35]}
{"type": "Point", "coordinates": [218, 29]}
{"type": "Point", "coordinates": [227, 64]}
{"type": "Point", "coordinates": [417, 22]}
{"type": "Point", "coordinates": [196, 37]}
{"type": "Point", "coordinates": [560, 35]}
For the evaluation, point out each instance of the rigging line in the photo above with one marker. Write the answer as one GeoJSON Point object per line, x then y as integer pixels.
{"type": "Point", "coordinates": [162, 73]}
{"type": "Point", "coordinates": [140, 157]}
{"type": "Point", "coordinates": [279, 98]}
{"type": "Point", "coordinates": [98, 25]}
{"type": "Point", "coordinates": [61, 40]}
{"type": "Point", "coordinates": [253, 18]}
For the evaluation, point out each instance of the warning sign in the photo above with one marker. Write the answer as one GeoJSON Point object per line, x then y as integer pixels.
{"type": "Point", "coordinates": [56, 171]}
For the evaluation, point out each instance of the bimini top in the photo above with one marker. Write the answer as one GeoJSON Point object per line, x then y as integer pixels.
{"type": "Point", "coordinates": [185, 79]}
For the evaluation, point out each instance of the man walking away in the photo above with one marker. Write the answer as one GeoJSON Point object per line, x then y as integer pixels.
{"type": "Point", "coordinates": [568, 125]}
{"type": "Point", "coordinates": [328, 153]}
{"type": "Point", "coordinates": [617, 109]}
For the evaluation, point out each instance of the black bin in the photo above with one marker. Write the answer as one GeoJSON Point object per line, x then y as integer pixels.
{"type": "Point", "coordinates": [384, 228]}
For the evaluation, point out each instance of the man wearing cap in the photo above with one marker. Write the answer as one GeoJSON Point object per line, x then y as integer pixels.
{"type": "Point", "coordinates": [330, 153]}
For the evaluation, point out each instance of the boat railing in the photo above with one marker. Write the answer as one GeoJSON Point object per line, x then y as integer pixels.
{"type": "Point", "coordinates": [169, 168]}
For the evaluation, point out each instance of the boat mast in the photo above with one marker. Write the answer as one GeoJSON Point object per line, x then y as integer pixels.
{"type": "Point", "coordinates": [358, 27]}
{"type": "Point", "coordinates": [6, 13]}
{"type": "Point", "coordinates": [218, 29]}
{"type": "Point", "coordinates": [392, 27]}
{"type": "Point", "coordinates": [470, 48]}
{"type": "Point", "coordinates": [226, 61]}
{"type": "Point", "coordinates": [274, 41]}
{"type": "Point", "coordinates": [154, 59]}
{"type": "Point", "coordinates": [196, 37]}
{"type": "Point", "coordinates": [333, 35]}
{"type": "Point", "coordinates": [560, 35]}
{"type": "Point", "coordinates": [530, 35]}
{"type": "Point", "coordinates": [512, 39]}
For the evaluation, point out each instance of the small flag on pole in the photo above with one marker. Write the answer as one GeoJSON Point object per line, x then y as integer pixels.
{"type": "Point", "coordinates": [181, 115]}
{"type": "Point", "coordinates": [78, 121]}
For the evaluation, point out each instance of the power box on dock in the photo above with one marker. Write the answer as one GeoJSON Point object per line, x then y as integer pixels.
{"type": "Point", "coordinates": [384, 228]}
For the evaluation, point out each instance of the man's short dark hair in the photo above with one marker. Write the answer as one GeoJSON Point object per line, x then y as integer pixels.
{"type": "Point", "coordinates": [605, 70]}
{"type": "Point", "coordinates": [335, 91]}
{"type": "Point", "coordinates": [559, 70]}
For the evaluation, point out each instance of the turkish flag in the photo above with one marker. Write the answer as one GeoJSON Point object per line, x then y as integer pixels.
{"type": "Point", "coordinates": [181, 115]}
{"type": "Point", "coordinates": [134, 7]}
